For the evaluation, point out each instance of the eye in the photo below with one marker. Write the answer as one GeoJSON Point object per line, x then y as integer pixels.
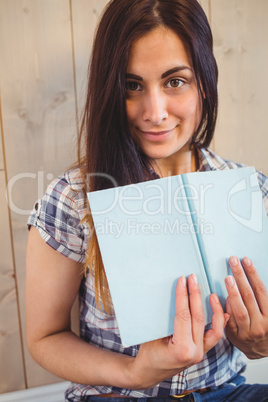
{"type": "Point", "coordinates": [175, 83]}
{"type": "Point", "coordinates": [132, 86]}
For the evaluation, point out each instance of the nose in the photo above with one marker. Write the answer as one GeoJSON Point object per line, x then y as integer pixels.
{"type": "Point", "coordinates": [155, 108]}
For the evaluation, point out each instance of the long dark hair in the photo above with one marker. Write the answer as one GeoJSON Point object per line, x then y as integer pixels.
{"type": "Point", "coordinates": [109, 147]}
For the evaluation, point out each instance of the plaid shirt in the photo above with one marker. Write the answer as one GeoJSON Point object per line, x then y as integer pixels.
{"type": "Point", "coordinates": [59, 218]}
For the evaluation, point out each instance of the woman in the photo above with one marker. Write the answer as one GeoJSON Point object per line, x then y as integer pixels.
{"type": "Point", "coordinates": [151, 110]}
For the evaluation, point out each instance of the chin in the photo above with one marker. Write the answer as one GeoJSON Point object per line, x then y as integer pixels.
{"type": "Point", "coordinates": [165, 153]}
{"type": "Point", "coordinates": [155, 154]}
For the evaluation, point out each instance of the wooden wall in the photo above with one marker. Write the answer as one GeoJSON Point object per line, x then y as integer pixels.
{"type": "Point", "coordinates": [240, 31]}
{"type": "Point", "coordinates": [44, 47]}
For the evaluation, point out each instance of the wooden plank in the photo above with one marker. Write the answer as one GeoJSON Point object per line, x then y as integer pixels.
{"type": "Point", "coordinates": [11, 360]}
{"type": "Point", "coordinates": [38, 108]}
{"type": "Point", "coordinates": [240, 29]}
{"type": "Point", "coordinates": [1, 150]}
{"type": "Point", "coordinates": [85, 15]}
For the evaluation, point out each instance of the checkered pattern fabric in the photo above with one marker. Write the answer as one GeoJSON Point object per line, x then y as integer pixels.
{"type": "Point", "coordinates": [59, 218]}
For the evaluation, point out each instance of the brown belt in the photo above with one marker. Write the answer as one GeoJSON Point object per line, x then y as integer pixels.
{"type": "Point", "coordinates": [113, 395]}
{"type": "Point", "coordinates": [200, 391]}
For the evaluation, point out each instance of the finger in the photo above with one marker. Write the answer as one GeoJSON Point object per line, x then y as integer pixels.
{"type": "Point", "coordinates": [245, 288]}
{"type": "Point", "coordinates": [213, 335]}
{"type": "Point", "coordinates": [232, 325]}
{"type": "Point", "coordinates": [257, 285]}
{"type": "Point", "coordinates": [197, 310]}
{"type": "Point", "coordinates": [239, 310]}
{"type": "Point", "coordinates": [182, 320]}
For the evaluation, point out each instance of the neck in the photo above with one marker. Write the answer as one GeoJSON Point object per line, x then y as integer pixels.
{"type": "Point", "coordinates": [181, 162]}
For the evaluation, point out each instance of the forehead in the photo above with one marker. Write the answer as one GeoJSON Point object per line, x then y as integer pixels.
{"type": "Point", "coordinates": [161, 48]}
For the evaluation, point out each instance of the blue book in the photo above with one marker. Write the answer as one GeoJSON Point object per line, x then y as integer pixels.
{"type": "Point", "coordinates": [153, 232]}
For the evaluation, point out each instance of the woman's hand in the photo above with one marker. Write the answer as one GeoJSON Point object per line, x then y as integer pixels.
{"type": "Point", "coordinates": [52, 283]}
{"type": "Point", "coordinates": [247, 305]}
{"type": "Point", "coordinates": [161, 359]}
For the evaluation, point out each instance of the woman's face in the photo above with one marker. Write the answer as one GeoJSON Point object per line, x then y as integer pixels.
{"type": "Point", "coordinates": [163, 106]}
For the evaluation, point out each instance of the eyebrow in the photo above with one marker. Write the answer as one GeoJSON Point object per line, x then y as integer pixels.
{"type": "Point", "coordinates": [164, 75]}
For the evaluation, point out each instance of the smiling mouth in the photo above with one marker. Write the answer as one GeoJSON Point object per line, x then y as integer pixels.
{"type": "Point", "coordinates": [156, 135]}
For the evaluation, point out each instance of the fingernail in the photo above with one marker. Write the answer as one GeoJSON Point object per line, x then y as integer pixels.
{"type": "Point", "coordinates": [246, 261]}
{"type": "Point", "coordinates": [215, 297]}
{"type": "Point", "coordinates": [230, 280]}
{"type": "Point", "coordinates": [183, 281]}
{"type": "Point", "coordinates": [233, 261]}
{"type": "Point", "coordinates": [194, 277]}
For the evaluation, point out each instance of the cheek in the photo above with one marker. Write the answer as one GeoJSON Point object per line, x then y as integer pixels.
{"type": "Point", "coordinates": [132, 110]}
{"type": "Point", "coordinates": [186, 109]}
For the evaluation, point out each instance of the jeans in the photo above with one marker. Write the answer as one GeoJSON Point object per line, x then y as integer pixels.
{"type": "Point", "coordinates": [235, 390]}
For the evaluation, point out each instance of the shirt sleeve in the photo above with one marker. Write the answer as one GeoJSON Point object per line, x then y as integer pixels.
{"type": "Point", "coordinates": [59, 218]}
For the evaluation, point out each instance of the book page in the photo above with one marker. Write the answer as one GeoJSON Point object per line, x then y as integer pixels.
{"type": "Point", "coordinates": [146, 241]}
{"type": "Point", "coordinates": [230, 202]}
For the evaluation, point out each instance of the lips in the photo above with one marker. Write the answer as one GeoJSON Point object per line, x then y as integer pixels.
{"type": "Point", "coordinates": [156, 135]}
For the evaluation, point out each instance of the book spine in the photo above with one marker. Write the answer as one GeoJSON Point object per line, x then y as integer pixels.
{"type": "Point", "coordinates": [196, 231]}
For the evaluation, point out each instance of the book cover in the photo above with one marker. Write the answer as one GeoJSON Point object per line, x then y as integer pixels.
{"type": "Point", "coordinates": [152, 233]}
